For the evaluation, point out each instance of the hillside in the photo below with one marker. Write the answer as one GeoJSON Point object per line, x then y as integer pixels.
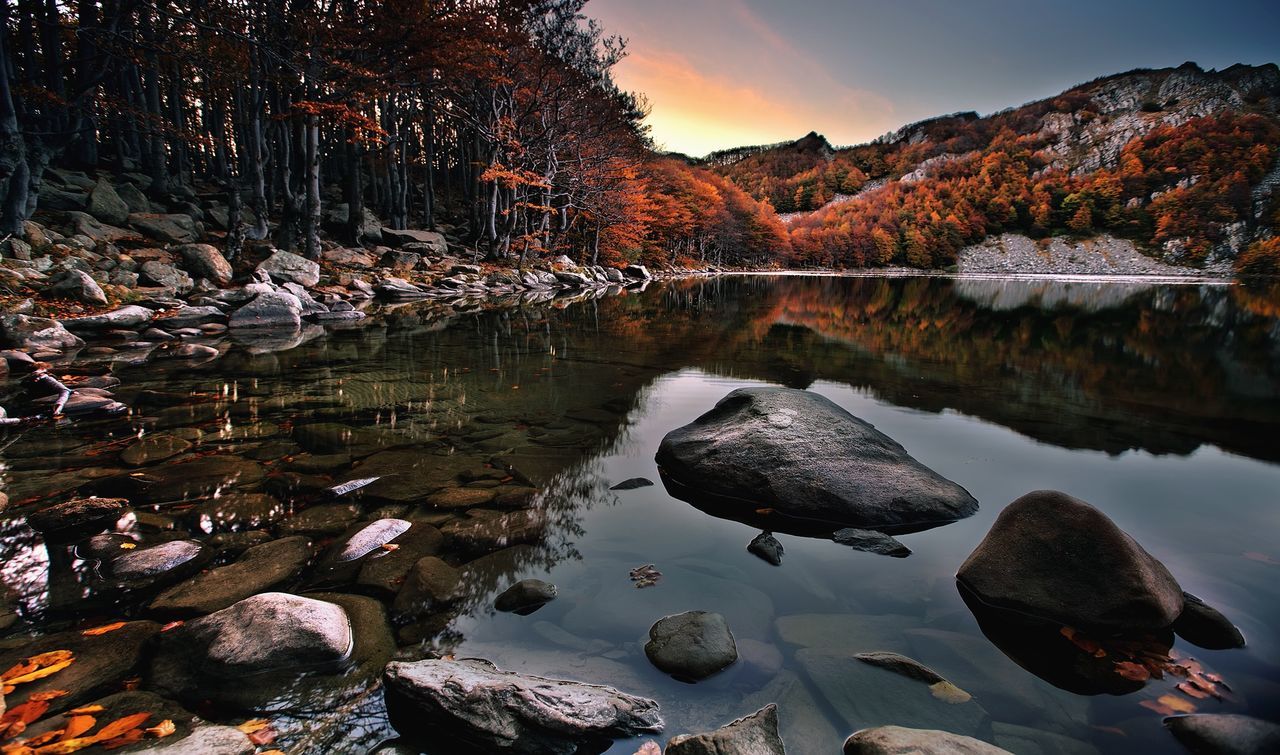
{"type": "Point", "coordinates": [1181, 161]}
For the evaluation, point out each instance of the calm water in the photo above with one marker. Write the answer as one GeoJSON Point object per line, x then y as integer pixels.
{"type": "Point", "coordinates": [1158, 404]}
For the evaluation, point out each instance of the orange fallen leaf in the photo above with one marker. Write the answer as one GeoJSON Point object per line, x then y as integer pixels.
{"type": "Point", "coordinates": [103, 629]}
{"type": "Point", "coordinates": [131, 683]}
{"type": "Point", "coordinates": [162, 729]}
{"type": "Point", "coordinates": [1191, 690]}
{"type": "Point", "coordinates": [125, 739]}
{"type": "Point", "coordinates": [1134, 672]}
{"type": "Point", "coordinates": [51, 694]}
{"type": "Point", "coordinates": [254, 724]}
{"type": "Point", "coordinates": [263, 736]}
{"type": "Point", "coordinates": [1177, 703]}
{"type": "Point", "coordinates": [128, 546]}
{"type": "Point", "coordinates": [33, 663]}
{"type": "Point", "coordinates": [1163, 710]}
{"type": "Point", "coordinates": [121, 725]}
{"type": "Point", "coordinates": [86, 709]}
{"type": "Point", "coordinates": [40, 673]}
{"type": "Point", "coordinates": [1261, 558]}
{"type": "Point", "coordinates": [172, 625]}
{"type": "Point", "coordinates": [77, 725]}
{"type": "Point", "coordinates": [390, 547]}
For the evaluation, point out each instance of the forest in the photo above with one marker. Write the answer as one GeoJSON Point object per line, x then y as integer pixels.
{"type": "Point", "coordinates": [312, 120]}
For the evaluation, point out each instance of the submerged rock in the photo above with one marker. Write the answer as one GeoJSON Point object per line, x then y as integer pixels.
{"type": "Point", "coordinates": [525, 597]}
{"type": "Point", "coordinates": [1225, 734]}
{"type": "Point", "coordinates": [801, 455]}
{"type": "Point", "coordinates": [1058, 558]}
{"type": "Point", "coordinates": [154, 448]}
{"type": "Point", "coordinates": [691, 646]}
{"type": "Point", "coordinates": [1204, 626]}
{"type": "Point", "coordinates": [160, 564]}
{"type": "Point", "coordinates": [899, 740]}
{"type": "Point", "coordinates": [871, 541]}
{"type": "Point", "coordinates": [76, 518]}
{"type": "Point", "coordinates": [101, 662]}
{"type": "Point", "coordinates": [767, 547]}
{"type": "Point", "coordinates": [633, 483]}
{"type": "Point", "coordinates": [473, 704]}
{"type": "Point", "coordinates": [756, 734]}
{"type": "Point", "coordinates": [261, 567]}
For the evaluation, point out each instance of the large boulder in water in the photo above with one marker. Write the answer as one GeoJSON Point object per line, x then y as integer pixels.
{"type": "Point", "coordinates": [798, 453]}
{"type": "Point", "coordinates": [1055, 557]}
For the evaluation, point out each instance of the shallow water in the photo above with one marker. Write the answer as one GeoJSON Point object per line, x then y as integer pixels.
{"type": "Point", "coordinates": [1159, 404]}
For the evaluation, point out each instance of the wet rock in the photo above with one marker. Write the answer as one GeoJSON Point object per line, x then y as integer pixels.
{"type": "Point", "coordinates": [151, 449]}
{"type": "Point", "coordinates": [205, 261]}
{"type": "Point", "coordinates": [325, 519]}
{"type": "Point", "coordinates": [171, 229]}
{"type": "Point", "coordinates": [800, 454]}
{"type": "Point", "coordinates": [1055, 557]}
{"type": "Point", "coordinates": [398, 289]}
{"type": "Point", "coordinates": [260, 568]}
{"type": "Point", "coordinates": [269, 309]}
{"type": "Point", "coordinates": [756, 734]}
{"type": "Point", "coordinates": [384, 572]}
{"type": "Point", "coordinates": [525, 597]}
{"type": "Point", "coordinates": [78, 285]}
{"type": "Point", "coordinates": [335, 437]}
{"type": "Point", "coordinates": [475, 705]}
{"type": "Point", "coordinates": [35, 334]}
{"type": "Point", "coordinates": [691, 646]}
{"type": "Point", "coordinates": [204, 740]}
{"type": "Point", "coordinates": [101, 662]}
{"type": "Point", "coordinates": [1225, 734]}
{"type": "Point", "coordinates": [430, 585]}
{"type": "Point", "coordinates": [485, 530]}
{"type": "Point", "coordinates": [237, 511]}
{"type": "Point", "coordinates": [767, 547]}
{"type": "Point", "coordinates": [871, 541]}
{"type": "Point", "coordinates": [370, 538]}
{"type": "Point", "coordinates": [190, 351]}
{"type": "Point", "coordinates": [74, 519]}
{"type": "Point", "coordinates": [1036, 741]}
{"type": "Point", "coordinates": [159, 564]}
{"type": "Point", "coordinates": [460, 498]}
{"type": "Point", "coordinates": [637, 272]}
{"type": "Point", "coordinates": [163, 274]}
{"type": "Point", "coordinates": [121, 704]}
{"type": "Point", "coordinates": [287, 267]}
{"type": "Point", "coordinates": [193, 317]}
{"type": "Point", "coordinates": [899, 740]}
{"type": "Point", "coordinates": [913, 669]}
{"type": "Point", "coordinates": [106, 205]}
{"type": "Point", "coordinates": [205, 476]}
{"type": "Point", "coordinates": [127, 318]}
{"type": "Point", "coordinates": [1204, 626]}
{"type": "Point", "coordinates": [633, 483]}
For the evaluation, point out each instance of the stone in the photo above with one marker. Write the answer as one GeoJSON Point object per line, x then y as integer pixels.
{"type": "Point", "coordinates": [384, 572]}
{"type": "Point", "coordinates": [188, 480]}
{"type": "Point", "coordinates": [127, 318]}
{"type": "Point", "coordinates": [163, 274]}
{"type": "Point", "coordinates": [475, 705]}
{"type": "Point", "coordinates": [460, 498]}
{"type": "Point", "coordinates": [756, 734]}
{"type": "Point", "coordinates": [633, 483]}
{"type": "Point", "coordinates": [525, 597]}
{"type": "Point", "coordinates": [102, 662]}
{"type": "Point", "coordinates": [871, 541]}
{"type": "Point", "coordinates": [193, 317]}
{"type": "Point", "coordinates": [106, 205]}
{"type": "Point", "coordinates": [435, 241]}
{"type": "Point", "coordinates": [637, 272]}
{"type": "Point", "coordinates": [798, 453]}
{"type": "Point", "coordinates": [371, 538]}
{"type": "Point", "coordinates": [1055, 557]}
{"type": "Point", "coordinates": [204, 740]}
{"type": "Point", "coordinates": [52, 198]}
{"type": "Point", "coordinates": [691, 646]}
{"type": "Point", "coordinates": [325, 519]}
{"type": "Point", "coordinates": [260, 568]}
{"type": "Point", "coordinates": [767, 547]}
{"type": "Point", "coordinates": [77, 518]}
{"type": "Point", "coordinates": [154, 448]}
{"type": "Point", "coordinates": [400, 261]}
{"type": "Point", "coordinates": [237, 511]}
{"type": "Point", "coordinates": [159, 564]}
{"type": "Point", "coordinates": [1225, 734]}
{"type": "Point", "coordinates": [269, 309]}
{"type": "Point", "coordinates": [348, 257]}
{"type": "Point", "coordinates": [171, 229]}
{"type": "Point", "coordinates": [430, 585]}
{"type": "Point", "coordinates": [205, 261]}
{"type": "Point", "coordinates": [1204, 626]}
{"type": "Point", "coordinates": [133, 198]}
{"type": "Point", "coordinates": [913, 669]}
{"type": "Point", "coordinates": [35, 334]}
{"type": "Point", "coordinates": [398, 289]}
{"type": "Point", "coordinates": [899, 740]}
{"type": "Point", "coordinates": [485, 530]}
{"type": "Point", "coordinates": [78, 285]}
{"type": "Point", "coordinates": [287, 267]}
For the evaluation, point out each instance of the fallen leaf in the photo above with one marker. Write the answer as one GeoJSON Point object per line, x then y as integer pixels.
{"type": "Point", "coordinates": [51, 694]}
{"type": "Point", "coordinates": [172, 625]}
{"type": "Point", "coordinates": [1261, 558]}
{"type": "Point", "coordinates": [1191, 690]}
{"type": "Point", "coordinates": [949, 693]}
{"type": "Point", "coordinates": [162, 729]}
{"type": "Point", "coordinates": [254, 724]}
{"type": "Point", "coordinates": [1134, 672]}
{"type": "Point", "coordinates": [1177, 703]}
{"type": "Point", "coordinates": [85, 709]}
{"type": "Point", "coordinates": [77, 725]}
{"type": "Point", "coordinates": [1163, 710]}
{"type": "Point", "coordinates": [39, 739]}
{"type": "Point", "coordinates": [263, 736]}
{"type": "Point", "coordinates": [125, 739]}
{"type": "Point", "coordinates": [32, 664]}
{"type": "Point", "coordinates": [103, 629]}
{"type": "Point", "coordinates": [131, 683]}
{"type": "Point", "coordinates": [390, 547]}
{"type": "Point", "coordinates": [128, 546]}
{"type": "Point", "coordinates": [121, 725]}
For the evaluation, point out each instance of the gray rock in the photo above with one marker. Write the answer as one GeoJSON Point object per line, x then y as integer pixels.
{"type": "Point", "coordinates": [476, 705]}
{"type": "Point", "coordinates": [384, 572]}
{"type": "Point", "coordinates": [36, 334]}
{"type": "Point", "coordinates": [637, 272]}
{"type": "Point", "coordinates": [691, 646]}
{"type": "Point", "coordinates": [399, 261]}
{"type": "Point", "coordinates": [397, 289]}
{"type": "Point", "coordinates": [287, 267]}
{"type": "Point", "coordinates": [430, 585]}
{"type": "Point", "coordinates": [1204, 626]}
{"type": "Point", "coordinates": [163, 274]}
{"type": "Point", "coordinates": [79, 286]}
{"type": "Point", "coordinates": [767, 547]}
{"type": "Point", "coordinates": [371, 538]}
{"type": "Point", "coordinates": [348, 257]}
{"type": "Point", "coordinates": [525, 597]}
{"type": "Point", "coordinates": [236, 511]}
{"type": "Point", "coordinates": [154, 448]}
{"type": "Point", "coordinates": [632, 484]}
{"type": "Point", "coordinates": [76, 518]}
{"type": "Point", "coordinates": [269, 309]}
{"type": "Point", "coordinates": [133, 198]}
{"type": "Point", "coordinates": [484, 530]}
{"type": "Point", "coordinates": [1058, 558]}
{"type": "Point", "coordinates": [800, 454]}
{"type": "Point", "coordinates": [205, 261]}
{"type": "Point", "coordinates": [756, 734]}
{"type": "Point", "coordinates": [101, 662]}
{"type": "Point", "coordinates": [125, 318]}
{"type": "Point", "coordinates": [194, 317]}
{"type": "Point", "coordinates": [1225, 734]}
{"type": "Point", "coordinates": [871, 541]}
{"type": "Point", "coordinates": [435, 241]}
{"type": "Point", "coordinates": [52, 198]}
{"type": "Point", "coordinates": [159, 564]}
{"type": "Point", "coordinates": [106, 205]}
{"type": "Point", "coordinates": [326, 519]}
{"type": "Point", "coordinates": [263, 567]}
{"type": "Point", "coordinates": [171, 229]}
{"type": "Point", "coordinates": [205, 740]}
{"type": "Point", "coordinates": [899, 740]}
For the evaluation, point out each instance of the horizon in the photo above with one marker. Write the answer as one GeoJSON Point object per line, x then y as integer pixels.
{"type": "Point", "coordinates": [711, 91]}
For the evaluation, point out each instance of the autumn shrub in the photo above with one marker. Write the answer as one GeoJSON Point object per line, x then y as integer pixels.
{"type": "Point", "coordinates": [1260, 258]}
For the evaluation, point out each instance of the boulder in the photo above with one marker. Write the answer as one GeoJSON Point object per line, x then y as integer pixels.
{"type": "Point", "coordinates": [1204, 626]}
{"type": "Point", "coordinates": [632, 483]}
{"type": "Point", "coordinates": [1225, 734]}
{"type": "Point", "coordinates": [106, 205]}
{"type": "Point", "coordinates": [77, 518]}
{"type": "Point", "coordinates": [159, 564]}
{"type": "Point", "coordinates": [756, 734]}
{"type": "Point", "coordinates": [525, 597]}
{"type": "Point", "coordinates": [801, 455]}
{"type": "Point", "coordinates": [193, 317]}
{"type": "Point", "coordinates": [171, 229]}
{"type": "Point", "coordinates": [691, 646]}
{"type": "Point", "coordinates": [899, 740]}
{"type": "Point", "coordinates": [262, 567]}
{"type": "Point", "coordinates": [1057, 558]}
{"type": "Point", "coordinates": [348, 256]}
{"type": "Point", "coordinates": [205, 261]}
{"type": "Point", "coordinates": [871, 541]}
{"type": "Point", "coordinates": [767, 547]}
{"type": "Point", "coordinates": [90, 227]}
{"type": "Point", "coordinates": [52, 198]}
{"type": "Point", "coordinates": [79, 286]}
{"type": "Point", "coordinates": [430, 585]}
{"type": "Point", "coordinates": [125, 318]}
{"type": "Point", "coordinates": [269, 309]}
{"type": "Point", "coordinates": [154, 448]}
{"type": "Point", "coordinates": [399, 261]}
{"type": "Point", "coordinates": [435, 241]}
{"type": "Point", "coordinates": [163, 274]}
{"type": "Point", "coordinates": [36, 334]}
{"type": "Point", "coordinates": [637, 272]}
{"type": "Point", "coordinates": [133, 198]}
{"type": "Point", "coordinates": [472, 704]}
{"type": "Point", "coordinates": [287, 267]}
{"type": "Point", "coordinates": [101, 662]}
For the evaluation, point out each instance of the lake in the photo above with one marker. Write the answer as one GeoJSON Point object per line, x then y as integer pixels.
{"type": "Point", "coordinates": [1159, 404]}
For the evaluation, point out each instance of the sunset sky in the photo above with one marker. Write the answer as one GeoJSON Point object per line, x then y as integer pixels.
{"type": "Point", "coordinates": [725, 73]}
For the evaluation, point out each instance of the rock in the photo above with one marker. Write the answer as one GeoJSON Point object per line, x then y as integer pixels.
{"type": "Point", "coordinates": [163, 274]}
{"type": "Point", "coordinates": [133, 198]}
{"type": "Point", "coordinates": [397, 289]}
{"type": "Point", "coordinates": [691, 646]}
{"type": "Point", "coordinates": [263, 567]}
{"type": "Point", "coordinates": [384, 572]}
{"type": "Point", "coordinates": [435, 241]}
{"type": "Point", "coordinates": [371, 538]}
{"type": "Point", "coordinates": [126, 318]}
{"type": "Point", "coordinates": [460, 498]}
{"type": "Point", "coordinates": [637, 272]}
{"type": "Point", "coordinates": [154, 448]}
{"type": "Point", "coordinates": [430, 585]}
{"type": "Point", "coordinates": [205, 740]}
{"type": "Point", "coordinates": [193, 317]}
{"type": "Point", "coordinates": [101, 662]}
{"type": "Point", "coordinates": [898, 740]}
{"type": "Point", "coordinates": [871, 541]}
{"type": "Point", "coordinates": [269, 632]}
{"type": "Point", "coordinates": [475, 705]}
{"type": "Point", "coordinates": [349, 257]}
{"type": "Point", "coordinates": [1225, 734]}
{"type": "Point", "coordinates": [205, 261]}
{"type": "Point", "coordinates": [196, 351]}
{"type": "Point", "coordinates": [572, 279]}
{"type": "Point", "coordinates": [237, 511]}
{"type": "Point", "coordinates": [269, 309]}
{"type": "Point", "coordinates": [36, 334]}
{"type": "Point", "coordinates": [633, 483]}
{"type": "Point", "coordinates": [79, 286]}
{"type": "Point", "coordinates": [77, 518]}
{"type": "Point", "coordinates": [326, 519]}
{"type": "Point", "coordinates": [171, 229]}
{"type": "Point", "coordinates": [800, 454]}
{"type": "Point", "coordinates": [186, 480]}
{"type": "Point", "coordinates": [756, 734]}
{"type": "Point", "coordinates": [1055, 557]}
{"type": "Point", "coordinates": [485, 530]}
{"type": "Point", "coordinates": [525, 597]}
{"type": "Point", "coordinates": [287, 267]}
{"type": "Point", "coordinates": [399, 261]}
{"type": "Point", "coordinates": [106, 205]}
{"type": "Point", "coordinates": [913, 669]}
{"type": "Point", "coordinates": [52, 198]}
{"type": "Point", "coordinates": [767, 547]}
{"type": "Point", "coordinates": [159, 564]}
{"type": "Point", "coordinates": [1204, 626]}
